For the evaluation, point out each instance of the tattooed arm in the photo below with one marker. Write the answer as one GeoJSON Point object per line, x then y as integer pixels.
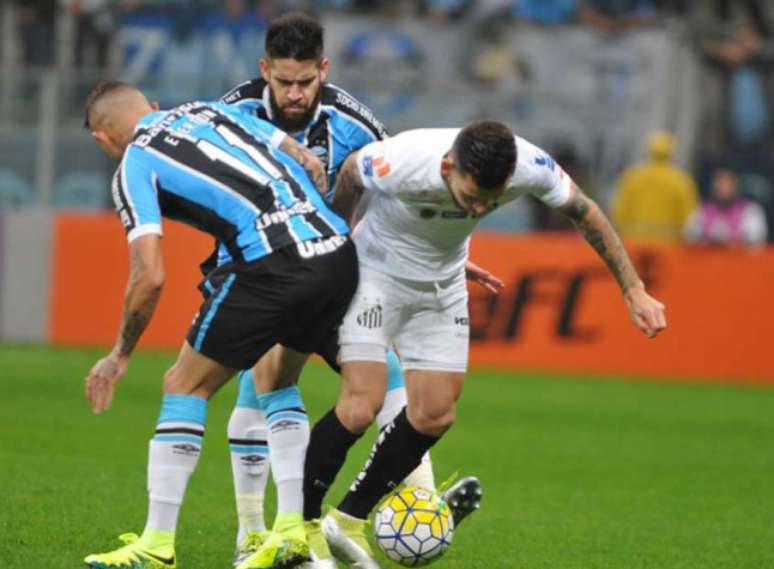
{"type": "Point", "coordinates": [146, 279]}
{"type": "Point", "coordinates": [646, 312]}
{"type": "Point", "coordinates": [349, 189]}
{"type": "Point", "coordinates": [308, 161]}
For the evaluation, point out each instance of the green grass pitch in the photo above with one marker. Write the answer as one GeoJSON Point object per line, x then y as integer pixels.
{"type": "Point", "coordinates": [579, 473]}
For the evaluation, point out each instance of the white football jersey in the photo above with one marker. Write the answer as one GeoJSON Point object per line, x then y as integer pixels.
{"type": "Point", "coordinates": [412, 228]}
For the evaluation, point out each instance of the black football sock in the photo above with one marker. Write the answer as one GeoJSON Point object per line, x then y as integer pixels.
{"type": "Point", "coordinates": [329, 443]}
{"type": "Point", "coordinates": [397, 452]}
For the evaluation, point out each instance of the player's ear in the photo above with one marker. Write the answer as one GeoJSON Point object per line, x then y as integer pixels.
{"type": "Point", "coordinates": [263, 65]}
{"type": "Point", "coordinates": [101, 137]}
{"type": "Point", "coordinates": [447, 164]}
{"type": "Point", "coordinates": [107, 144]}
{"type": "Point", "coordinates": [325, 65]}
{"type": "Point", "coordinates": [155, 106]}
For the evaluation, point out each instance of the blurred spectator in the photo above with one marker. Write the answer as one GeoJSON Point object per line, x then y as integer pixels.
{"type": "Point", "coordinates": [443, 11]}
{"type": "Point", "coordinates": [95, 26]}
{"type": "Point", "coordinates": [496, 64]}
{"type": "Point", "coordinates": [655, 199]}
{"type": "Point", "coordinates": [616, 16]}
{"type": "Point", "coordinates": [236, 37]}
{"type": "Point", "coordinates": [679, 7]}
{"type": "Point", "coordinates": [544, 11]}
{"type": "Point", "coordinates": [361, 6]}
{"type": "Point", "coordinates": [36, 30]}
{"type": "Point", "coordinates": [727, 218]}
{"type": "Point", "coordinates": [735, 48]}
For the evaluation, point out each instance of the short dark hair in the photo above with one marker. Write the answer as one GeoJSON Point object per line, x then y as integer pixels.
{"type": "Point", "coordinates": [100, 90]}
{"type": "Point", "coordinates": [487, 151]}
{"type": "Point", "coordinates": [295, 36]}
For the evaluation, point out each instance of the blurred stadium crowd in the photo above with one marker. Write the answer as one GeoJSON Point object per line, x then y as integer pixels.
{"type": "Point", "coordinates": [661, 109]}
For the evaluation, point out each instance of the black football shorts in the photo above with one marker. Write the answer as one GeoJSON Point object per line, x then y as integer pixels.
{"type": "Point", "coordinates": [295, 296]}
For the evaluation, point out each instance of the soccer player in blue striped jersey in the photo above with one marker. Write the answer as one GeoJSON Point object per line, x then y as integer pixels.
{"type": "Point", "coordinates": [286, 274]}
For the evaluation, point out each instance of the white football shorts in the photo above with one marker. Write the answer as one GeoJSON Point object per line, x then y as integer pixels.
{"type": "Point", "coordinates": [427, 321]}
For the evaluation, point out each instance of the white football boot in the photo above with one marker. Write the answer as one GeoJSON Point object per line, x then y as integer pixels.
{"type": "Point", "coordinates": [347, 540]}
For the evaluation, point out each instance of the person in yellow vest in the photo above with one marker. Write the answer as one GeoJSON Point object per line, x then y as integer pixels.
{"type": "Point", "coordinates": [655, 198]}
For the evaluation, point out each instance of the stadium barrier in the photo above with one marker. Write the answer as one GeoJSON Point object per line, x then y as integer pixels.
{"type": "Point", "coordinates": [560, 310]}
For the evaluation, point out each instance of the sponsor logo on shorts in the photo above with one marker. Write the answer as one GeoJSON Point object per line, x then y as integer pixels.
{"type": "Point", "coordinates": [317, 247]}
{"type": "Point", "coordinates": [371, 317]}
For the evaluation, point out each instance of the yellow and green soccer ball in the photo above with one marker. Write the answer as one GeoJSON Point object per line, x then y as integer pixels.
{"type": "Point", "coordinates": [414, 526]}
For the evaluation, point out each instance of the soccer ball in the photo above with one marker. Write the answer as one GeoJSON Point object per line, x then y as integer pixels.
{"type": "Point", "coordinates": [414, 526]}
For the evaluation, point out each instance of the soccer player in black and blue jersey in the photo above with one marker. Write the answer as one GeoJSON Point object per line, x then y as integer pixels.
{"type": "Point", "coordinates": [287, 272]}
{"type": "Point", "coordinates": [293, 93]}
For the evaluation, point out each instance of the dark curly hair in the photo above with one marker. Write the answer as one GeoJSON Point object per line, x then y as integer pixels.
{"type": "Point", "coordinates": [487, 151]}
{"type": "Point", "coordinates": [295, 36]}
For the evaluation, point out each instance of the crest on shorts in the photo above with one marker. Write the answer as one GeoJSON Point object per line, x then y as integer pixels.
{"type": "Point", "coordinates": [371, 317]}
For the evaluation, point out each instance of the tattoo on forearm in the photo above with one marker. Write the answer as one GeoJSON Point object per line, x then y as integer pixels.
{"type": "Point", "coordinates": [349, 189]}
{"type": "Point", "coordinates": [578, 206]}
{"type": "Point", "coordinates": [135, 318]}
{"type": "Point", "coordinates": [131, 329]}
{"type": "Point", "coordinates": [308, 161]}
{"type": "Point", "coordinates": [599, 233]}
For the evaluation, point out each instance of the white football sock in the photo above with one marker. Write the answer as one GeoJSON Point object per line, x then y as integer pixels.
{"type": "Point", "coordinates": [288, 440]}
{"type": "Point", "coordinates": [247, 438]}
{"type": "Point", "coordinates": [173, 456]}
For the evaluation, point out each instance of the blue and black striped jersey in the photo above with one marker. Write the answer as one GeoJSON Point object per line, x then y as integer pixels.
{"type": "Point", "coordinates": [341, 125]}
{"type": "Point", "coordinates": [218, 169]}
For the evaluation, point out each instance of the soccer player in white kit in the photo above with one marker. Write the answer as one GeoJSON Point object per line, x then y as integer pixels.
{"type": "Point", "coordinates": [426, 191]}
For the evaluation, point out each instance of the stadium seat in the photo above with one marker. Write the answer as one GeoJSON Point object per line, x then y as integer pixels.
{"type": "Point", "coordinates": [14, 190]}
{"type": "Point", "coordinates": [82, 190]}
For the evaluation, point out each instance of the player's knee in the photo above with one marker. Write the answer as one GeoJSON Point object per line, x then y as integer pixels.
{"type": "Point", "coordinates": [432, 420]}
{"type": "Point", "coordinates": [176, 383]}
{"type": "Point", "coordinates": [357, 413]}
{"type": "Point", "coordinates": [173, 384]}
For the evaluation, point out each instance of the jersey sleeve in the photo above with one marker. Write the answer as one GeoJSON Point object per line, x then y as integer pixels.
{"type": "Point", "coordinates": [135, 196]}
{"type": "Point", "coordinates": [547, 180]}
{"type": "Point", "coordinates": [376, 164]}
{"type": "Point", "coordinates": [356, 136]}
{"type": "Point", "coordinates": [272, 134]}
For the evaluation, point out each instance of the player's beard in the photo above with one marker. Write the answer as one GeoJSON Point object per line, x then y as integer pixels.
{"type": "Point", "coordinates": [295, 123]}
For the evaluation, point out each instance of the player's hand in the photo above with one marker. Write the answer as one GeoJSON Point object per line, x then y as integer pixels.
{"type": "Point", "coordinates": [483, 277]}
{"type": "Point", "coordinates": [102, 379]}
{"type": "Point", "coordinates": [646, 312]}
